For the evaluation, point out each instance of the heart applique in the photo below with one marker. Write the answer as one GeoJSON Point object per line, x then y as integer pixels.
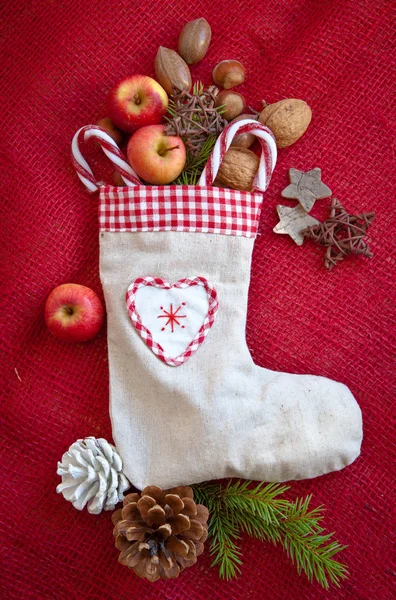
{"type": "Point", "coordinates": [173, 319]}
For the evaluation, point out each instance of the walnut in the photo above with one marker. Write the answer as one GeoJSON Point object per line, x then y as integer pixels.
{"type": "Point", "coordinates": [287, 119]}
{"type": "Point", "coordinates": [238, 169]}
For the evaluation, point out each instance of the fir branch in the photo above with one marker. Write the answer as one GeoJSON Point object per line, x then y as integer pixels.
{"type": "Point", "coordinates": [308, 547]}
{"type": "Point", "coordinates": [222, 530]}
{"type": "Point", "coordinates": [195, 164]}
{"type": "Point", "coordinates": [259, 512]}
{"type": "Point", "coordinates": [223, 547]}
{"type": "Point", "coordinates": [198, 88]}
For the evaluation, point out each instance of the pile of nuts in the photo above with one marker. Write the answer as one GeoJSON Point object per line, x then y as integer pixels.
{"type": "Point", "coordinates": [287, 119]}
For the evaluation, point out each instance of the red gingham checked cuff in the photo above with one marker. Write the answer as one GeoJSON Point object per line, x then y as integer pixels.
{"type": "Point", "coordinates": [179, 208]}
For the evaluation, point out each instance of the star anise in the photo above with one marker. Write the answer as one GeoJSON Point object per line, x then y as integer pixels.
{"type": "Point", "coordinates": [341, 233]}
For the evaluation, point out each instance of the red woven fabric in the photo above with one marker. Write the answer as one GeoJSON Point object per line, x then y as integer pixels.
{"type": "Point", "coordinates": [58, 61]}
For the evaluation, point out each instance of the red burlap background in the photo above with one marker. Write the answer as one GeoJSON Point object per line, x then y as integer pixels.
{"type": "Point", "coordinates": [58, 61]}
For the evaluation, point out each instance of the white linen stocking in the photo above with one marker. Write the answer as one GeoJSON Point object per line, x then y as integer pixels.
{"type": "Point", "coordinates": [218, 414]}
{"type": "Point", "coordinates": [187, 403]}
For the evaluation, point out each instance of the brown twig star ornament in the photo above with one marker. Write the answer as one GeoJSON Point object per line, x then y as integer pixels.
{"type": "Point", "coordinates": [293, 221]}
{"type": "Point", "coordinates": [306, 187]}
{"type": "Point", "coordinates": [194, 116]}
{"type": "Point", "coordinates": [341, 233]}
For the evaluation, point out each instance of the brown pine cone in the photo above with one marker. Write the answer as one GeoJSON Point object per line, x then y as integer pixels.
{"type": "Point", "coordinates": [160, 532]}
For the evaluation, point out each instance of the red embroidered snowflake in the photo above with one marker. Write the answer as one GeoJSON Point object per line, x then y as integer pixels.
{"type": "Point", "coordinates": [173, 317]}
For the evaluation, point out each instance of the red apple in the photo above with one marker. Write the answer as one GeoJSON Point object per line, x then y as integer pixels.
{"type": "Point", "coordinates": [156, 157]}
{"type": "Point", "coordinates": [73, 312]}
{"type": "Point", "coordinates": [135, 102]}
{"type": "Point", "coordinates": [113, 131]}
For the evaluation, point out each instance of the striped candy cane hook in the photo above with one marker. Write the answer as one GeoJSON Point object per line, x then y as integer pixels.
{"type": "Point", "coordinates": [268, 152]}
{"type": "Point", "coordinates": [111, 150]}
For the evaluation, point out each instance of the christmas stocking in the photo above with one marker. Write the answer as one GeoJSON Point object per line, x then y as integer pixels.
{"type": "Point", "coordinates": [187, 403]}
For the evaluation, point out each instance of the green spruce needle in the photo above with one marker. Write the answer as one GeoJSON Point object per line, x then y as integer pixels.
{"type": "Point", "coordinates": [195, 118]}
{"type": "Point", "coordinates": [195, 164]}
{"type": "Point", "coordinates": [260, 512]}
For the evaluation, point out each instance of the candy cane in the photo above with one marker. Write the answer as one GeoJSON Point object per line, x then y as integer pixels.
{"type": "Point", "coordinates": [268, 152]}
{"type": "Point", "coordinates": [111, 150]}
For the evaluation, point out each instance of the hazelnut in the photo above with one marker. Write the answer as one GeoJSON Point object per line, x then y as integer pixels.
{"type": "Point", "coordinates": [245, 140]}
{"type": "Point", "coordinates": [233, 104]}
{"type": "Point", "coordinates": [229, 73]}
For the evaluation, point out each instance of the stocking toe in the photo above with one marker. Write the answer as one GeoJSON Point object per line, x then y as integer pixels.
{"type": "Point", "coordinates": [316, 427]}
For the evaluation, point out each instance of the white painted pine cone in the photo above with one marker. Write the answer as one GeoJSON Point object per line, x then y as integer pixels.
{"type": "Point", "coordinates": [92, 475]}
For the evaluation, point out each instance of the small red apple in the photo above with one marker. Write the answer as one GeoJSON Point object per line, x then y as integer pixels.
{"type": "Point", "coordinates": [113, 131]}
{"type": "Point", "coordinates": [73, 312]}
{"type": "Point", "coordinates": [135, 102]}
{"type": "Point", "coordinates": [156, 157]}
